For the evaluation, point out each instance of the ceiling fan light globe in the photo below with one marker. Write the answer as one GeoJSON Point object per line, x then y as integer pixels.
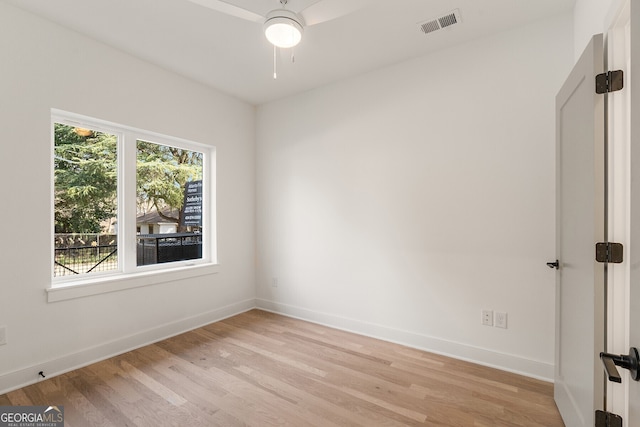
{"type": "Point", "coordinates": [283, 28]}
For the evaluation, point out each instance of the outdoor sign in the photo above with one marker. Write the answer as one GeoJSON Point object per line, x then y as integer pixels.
{"type": "Point", "coordinates": [192, 206]}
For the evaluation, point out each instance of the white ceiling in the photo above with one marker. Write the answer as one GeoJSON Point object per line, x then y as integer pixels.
{"type": "Point", "coordinates": [232, 55]}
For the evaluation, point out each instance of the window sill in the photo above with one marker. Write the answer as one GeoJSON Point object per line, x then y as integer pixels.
{"type": "Point", "coordinates": [123, 282]}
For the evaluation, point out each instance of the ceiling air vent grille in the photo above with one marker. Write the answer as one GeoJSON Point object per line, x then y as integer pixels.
{"type": "Point", "coordinates": [444, 21]}
{"type": "Point", "coordinates": [429, 26]}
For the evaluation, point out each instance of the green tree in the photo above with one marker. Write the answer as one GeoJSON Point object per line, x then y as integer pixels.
{"type": "Point", "coordinates": [162, 172]}
{"type": "Point", "coordinates": [85, 176]}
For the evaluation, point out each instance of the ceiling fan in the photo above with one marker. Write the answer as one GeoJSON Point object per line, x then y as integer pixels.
{"type": "Point", "coordinates": [283, 27]}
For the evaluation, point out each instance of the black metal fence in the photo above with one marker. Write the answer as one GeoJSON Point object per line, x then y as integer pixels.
{"type": "Point", "coordinates": [159, 248]}
{"type": "Point", "coordinates": [87, 259]}
{"type": "Point", "coordinates": [86, 253]}
{"type": "Point", "coordinates": [80, 253]}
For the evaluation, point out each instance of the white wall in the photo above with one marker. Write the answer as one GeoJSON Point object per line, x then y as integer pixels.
{"type": "Point", "coordinates": [402, 202]}
{"type": "Point", "coordinates": [44, 66]}
{"type": "Point", "coordinates": [592, 17]}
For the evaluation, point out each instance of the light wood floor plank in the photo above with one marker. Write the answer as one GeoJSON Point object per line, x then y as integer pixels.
{"type": "Point", "coordinates": [262, 369]}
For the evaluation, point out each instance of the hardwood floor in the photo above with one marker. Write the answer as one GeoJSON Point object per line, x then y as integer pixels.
{"type": "Point", "coordinates": [261, 369]}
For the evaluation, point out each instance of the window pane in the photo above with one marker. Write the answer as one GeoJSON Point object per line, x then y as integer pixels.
{"type": "Point", "coordinates": [169, 200]}
{"type": "Point", "coordinates": [85, 199]}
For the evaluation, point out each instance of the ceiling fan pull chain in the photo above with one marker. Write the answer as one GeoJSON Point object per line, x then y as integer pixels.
{"type": "Point", "coordinates": [293, 56]}
{"type": "Point", "coordinates": [275, 62]}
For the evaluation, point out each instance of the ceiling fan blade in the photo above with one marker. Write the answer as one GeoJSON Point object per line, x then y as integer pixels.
{"type": "Point", "coordinates": [326, 10]}
{"type": "Point", "coordinates": [230, 9]}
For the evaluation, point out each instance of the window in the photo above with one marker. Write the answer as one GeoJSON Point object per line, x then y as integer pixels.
{"type": "Point", "coordinates": [85, 200]}
{"type": "Point", "coordinates": [127, 201]}
{"type": "Point", "coordinates": [169, 197]}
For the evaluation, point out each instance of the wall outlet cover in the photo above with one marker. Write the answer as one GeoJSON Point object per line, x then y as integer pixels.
{"type": "Point", "coordinates": [500, 320]}
{"type": "Point", "coordinates": [487, 317]}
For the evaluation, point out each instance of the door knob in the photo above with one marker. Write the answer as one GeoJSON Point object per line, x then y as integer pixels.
{"type": "Point", "coordinates": [629, 362]}
{"type": "Point", "coordinates": [555, 264]}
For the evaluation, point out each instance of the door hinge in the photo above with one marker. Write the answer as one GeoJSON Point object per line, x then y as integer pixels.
{"type": "Point", "coordinates": [607, 419]}
{"type": "Point", "coordinates": [609, 252]}
{"type": "Point", "coordinates": [611, 81]}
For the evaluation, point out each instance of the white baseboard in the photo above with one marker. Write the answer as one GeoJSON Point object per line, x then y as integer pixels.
{"type": "Point", "coordinates": [29, 375]}
{"type": "Point", "coordinates": [506, 362]}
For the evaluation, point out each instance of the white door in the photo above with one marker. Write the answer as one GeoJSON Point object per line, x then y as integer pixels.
{"type": "Point", "coordinates": [579, 378]}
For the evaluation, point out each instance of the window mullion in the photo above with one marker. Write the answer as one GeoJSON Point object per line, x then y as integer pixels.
{"type": "Point", "coordinates": [127, 202]}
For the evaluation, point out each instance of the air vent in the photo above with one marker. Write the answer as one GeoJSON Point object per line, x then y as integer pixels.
{"type": "Point", "coordinates": [444, 21]}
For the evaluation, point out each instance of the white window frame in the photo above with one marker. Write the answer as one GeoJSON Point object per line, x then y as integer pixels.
{"type": "Point", "coordinates": [128, 274]}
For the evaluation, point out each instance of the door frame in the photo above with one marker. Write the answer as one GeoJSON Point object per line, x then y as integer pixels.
{"type": "Point", "coordinates": [617, 57]}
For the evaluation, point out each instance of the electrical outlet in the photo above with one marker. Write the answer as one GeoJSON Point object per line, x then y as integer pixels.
{"type": "Point", "coordinates": [501, 319]}
{"type": "Point", "coordinates": [274, 282]}
{"type": "Point", "coordinates": [3, 335]}
{"type": "Point", "coordinates": [487, 317]}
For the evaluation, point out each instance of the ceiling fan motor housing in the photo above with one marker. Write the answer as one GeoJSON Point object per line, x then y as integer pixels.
{"type": "Point", "coordinates": [283, 28]}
